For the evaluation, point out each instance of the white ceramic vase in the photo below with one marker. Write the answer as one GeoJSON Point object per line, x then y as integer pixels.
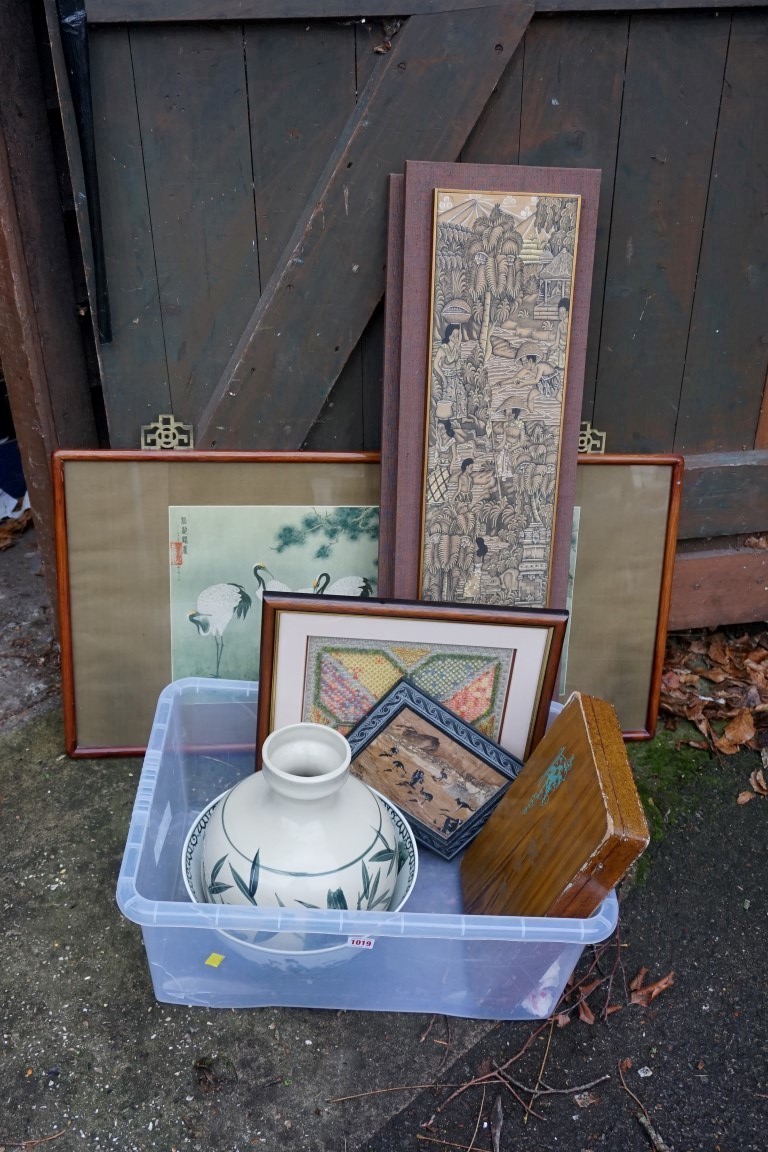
{"type": "Point", "coordinates": [302, 832]}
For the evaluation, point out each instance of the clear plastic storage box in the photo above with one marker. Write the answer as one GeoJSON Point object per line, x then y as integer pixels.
{"type": "Point", "coordinates": [428, 958]}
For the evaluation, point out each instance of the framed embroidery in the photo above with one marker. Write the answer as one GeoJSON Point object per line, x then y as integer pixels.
{"type": "Point", "coordinates": [332, 658]}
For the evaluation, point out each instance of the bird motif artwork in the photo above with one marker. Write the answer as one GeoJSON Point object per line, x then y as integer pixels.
{"type": "Point", "coordinates": [217, 605]}
{"type": "Point", "coordinates": [270, 585]}
{"type": "Point", "coordinates": [345, 586]}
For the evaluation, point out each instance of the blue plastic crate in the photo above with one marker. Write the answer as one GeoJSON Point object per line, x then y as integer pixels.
{"type": "Point", "coordinates": [428, 958]}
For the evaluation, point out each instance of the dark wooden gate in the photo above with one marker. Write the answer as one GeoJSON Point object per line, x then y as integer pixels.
{"type": "Point", "coordinates": [242, 167]}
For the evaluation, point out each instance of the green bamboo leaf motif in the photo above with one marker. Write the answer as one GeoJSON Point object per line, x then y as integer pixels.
{"type": "Point", "coordinates": [242, 885]}
{"type": "Point", "coordinates": [279, 900]}
{"type": "Point", "coordinates": [336, 899]}
{"type": "Point", "coordinates": [216, 889]}
{"type": "Point", "coordinates": [382, 857]}
{"type": "Point", "coordinates": [254, 874]}
{"type": "Point", "coordinates": [366, 882]}
{"type": "Point", "coordinates": [305, 905]}
{"type": "Point", "coordinates": [385, 899]}
{"type": "Point", "coordinates": [374, 890]}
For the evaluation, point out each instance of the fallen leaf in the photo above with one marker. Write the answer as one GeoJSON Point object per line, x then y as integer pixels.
{"type": "Point", "coordinates": [714, 675]}
{"type": "Point", "coordinates": [649, 992]}
{"type": "Point", "coordinates": [613, 1008]}
{"type": "Point", "coordinates": [625, 1064]}
{"type": "Point", "coordinates": [562, 1019]}
{"type": "Point", "coordinates": [745, 797]}
{"type": "Point", "coordinates": [639, 980]}
{"type": "Point", "coordinates": [718, 652]}
{"type": "Point", "coordinates": [757, 780]}
{"type": "Point", "coordinates": [740, 730]}
{"type": "Point", "coordinates": [585, 1013]}
{"type": "Point", "coordinates": [756, 542]}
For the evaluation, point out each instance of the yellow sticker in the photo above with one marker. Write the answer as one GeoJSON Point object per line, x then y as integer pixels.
{"type": "Point", "coordinates": [214, 959]}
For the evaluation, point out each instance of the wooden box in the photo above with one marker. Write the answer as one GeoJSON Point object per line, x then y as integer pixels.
{"type": "Point", "coordinates": [568, 828]}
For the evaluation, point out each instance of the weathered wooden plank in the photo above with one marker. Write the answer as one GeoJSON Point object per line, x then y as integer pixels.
{"type": "Point", "coordinates": [331, 275]}
{"type": "Point", "coordinates": [761, 436]}
{"type": "Point", "coordinates": [122, 11]}
{"type": "Point", "coordinates": [370, 37]}
{"type": "Point", "coordinates": [40, 344]}
{"type": "Point", "coordinates": [728, 347]}
{"type": "Point", "coordinates": [134, 367]}
{"type": "Point", "coordinates": [74, 159]}
{"type": "Point", "coordinates": [669, 116]}
{"type": "Point", "coordinates": [725, 493]}
{"type": "Point", "coordinates": [722, 586]}
{"type": "Point", "coordinates": [571, 110]}
{"type": "Point", "coordinates": [339, 426]}
{"type": "Point", "coordinates": [134, 11]}
{"type": "Point", "coordinates": [372, 348]}
{"type": "Point", "coordinates": [495, 138]}
{"type": "Point", "coordinates": [390, 416]}
{"type": "Point", "coordinates": [191, 91]}
{"type": "Point", "coordinates": [301, 93]}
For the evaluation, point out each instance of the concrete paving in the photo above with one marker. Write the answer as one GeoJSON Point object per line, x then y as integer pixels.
{"type": "Point", "coordinates": [91, 1060]}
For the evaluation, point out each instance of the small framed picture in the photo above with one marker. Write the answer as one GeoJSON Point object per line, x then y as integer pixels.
{"type": "Point", "coordinates": [330, 659]}
{"type": "Point", "coordinates": [444, 775]}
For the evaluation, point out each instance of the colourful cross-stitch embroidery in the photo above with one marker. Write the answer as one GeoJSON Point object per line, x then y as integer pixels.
{"type": "Point", "coordinates": [345, 678]}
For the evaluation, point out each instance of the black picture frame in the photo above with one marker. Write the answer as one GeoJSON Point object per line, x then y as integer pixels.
{"type": "Point", "coordinates": [396, 759]}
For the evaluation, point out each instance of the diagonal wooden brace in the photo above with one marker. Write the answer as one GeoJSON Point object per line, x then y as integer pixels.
{"type": "Point", "coordinates": [421, 103]}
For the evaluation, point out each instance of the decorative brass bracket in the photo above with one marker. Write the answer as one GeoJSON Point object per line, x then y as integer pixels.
{"type": "Point", "coordinates": [591, 441]}
{"type": "Point", "coordinates": [165, 433]}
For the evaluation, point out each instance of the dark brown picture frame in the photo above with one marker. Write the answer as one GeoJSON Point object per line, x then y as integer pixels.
{"type": "Point", "coordinates": [112, 547]}
{"type": "Point", "coordinates": [405, 376]}
{"type": "Point", "coordinates": [622, 588]}
{"type": "Point", "coordinates": [532, 642]}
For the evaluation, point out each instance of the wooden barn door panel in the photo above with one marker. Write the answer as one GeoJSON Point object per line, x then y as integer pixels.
{"type": "Point", "coordinates": [134, 368]}
{"type": "Point", "coordinates": [302, 89]}
{"type": "Point", "coordinates": [728, 348]}
{"type": "Point", "coordinates": [571, 109]}
{"type": "Point", "coordinates": [303, 81]}
{"type": "Point", "coordinates": [495, 138]}
{"type": "Point", "coordinates": [669, 117]}
{"type": "Point", "coordinates": [191, 90]}
{"type": "Point", "coordinates": [331, 276]}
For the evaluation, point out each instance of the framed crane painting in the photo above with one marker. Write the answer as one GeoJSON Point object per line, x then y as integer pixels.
{"type": "Point", "coordinates": [163, 559]}
{"type": "Point", "coordinates": [216, 588]}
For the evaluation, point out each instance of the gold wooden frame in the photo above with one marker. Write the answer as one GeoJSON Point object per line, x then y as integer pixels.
{"type": "Point", "coordinates": [622, 585]}
{"type": "Point", "coordinates": [113, 568]}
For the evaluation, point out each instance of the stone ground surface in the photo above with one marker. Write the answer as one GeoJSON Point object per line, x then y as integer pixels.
{"type": "Point", "coordinates": [91, 1060]}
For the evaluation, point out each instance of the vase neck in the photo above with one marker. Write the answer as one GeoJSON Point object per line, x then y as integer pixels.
{"type": "Point", "coordinates": [306, 761]}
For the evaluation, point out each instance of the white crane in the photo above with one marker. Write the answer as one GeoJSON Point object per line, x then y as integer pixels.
{"type": "Point", "coordinates": [346, 586]}
{"type": "Point", "coordinates": [216, 606]}
{"type": "Point", "coordinates": [270, 585]}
